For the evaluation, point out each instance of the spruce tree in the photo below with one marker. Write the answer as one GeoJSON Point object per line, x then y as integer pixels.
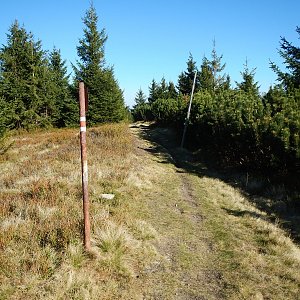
{"type": "Point", "coordinates": [210, 76]}
{"type": "Point", "coordinates": [248, 85]}
{"type": "Point", "coordinates": [106, 103]}
{"type": "Point", "coordinates": [162, 90]}
{"type": "Point", "coordinates": [6, 113]}
{"type": "Point", "coordinates": [12, 82]}
{"type": "Point", "coordinates": [172, 92]}
{"type": "Point", "coordinates": [291, 58]}
{"type": "Point", "coordinates": [206, 77]}
{"type": "Point", "coordinates": [186, 78]}
{"type": "Point", "coordinates": [153, 91]}
{"type": "Point", "coordinates": [141, 110]}
{"type": "Point", "coordinates": [25, 80]}
{"type": "Point", "coordinates": [67, 105]}
{"type": "Point", "coordinates": [140, 97]}
{"type": "Point", "coordinates": [217, 67]}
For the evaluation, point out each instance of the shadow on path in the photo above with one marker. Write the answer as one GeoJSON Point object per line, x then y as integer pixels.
{"type": "Point", "coordinates": [281, 205]}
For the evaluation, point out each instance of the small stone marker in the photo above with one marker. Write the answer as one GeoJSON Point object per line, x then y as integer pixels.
{"type": "Point", "coordinates": [107, 196]}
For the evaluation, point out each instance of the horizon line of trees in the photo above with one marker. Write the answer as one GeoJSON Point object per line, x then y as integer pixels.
{"type": "Point", "coordinates": [37, 91]}
{"type": "Point", "coordinates": [239, 125]}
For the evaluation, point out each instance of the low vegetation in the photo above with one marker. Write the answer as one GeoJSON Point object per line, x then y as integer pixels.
{"type": "Point", "coordinates": [41, 217]}
{"type": "Point", "coordinates": [221, 241]}
{"type": "Point", "coordinates": [238, 124]}
{"type": "Point", "coordinates": [169, 233]}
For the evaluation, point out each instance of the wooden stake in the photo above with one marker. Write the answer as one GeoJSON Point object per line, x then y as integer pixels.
{"type": "Point", "coordinates": [84, 166]}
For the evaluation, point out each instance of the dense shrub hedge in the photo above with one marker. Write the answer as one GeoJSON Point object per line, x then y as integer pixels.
{"type": "Point", "coordinates": [241, 128]}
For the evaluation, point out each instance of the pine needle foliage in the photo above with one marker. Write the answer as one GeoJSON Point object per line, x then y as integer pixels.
{"type": "Point", "coordinates": [239, 126]}
{"type": "Point", "coordinates": [34, 87]}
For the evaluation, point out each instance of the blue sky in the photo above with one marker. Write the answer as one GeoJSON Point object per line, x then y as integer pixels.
{"type": "Point", "coordinates": [151, 39]}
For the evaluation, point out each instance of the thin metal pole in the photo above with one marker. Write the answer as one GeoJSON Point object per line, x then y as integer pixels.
{"type": "Point", "coordinates": [84, 167]}
{"type": "Point", "coordinates": [189, 111]}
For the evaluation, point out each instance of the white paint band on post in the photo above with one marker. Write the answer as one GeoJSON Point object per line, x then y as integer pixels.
{"type": "Point", "coordinates": [84, 165]}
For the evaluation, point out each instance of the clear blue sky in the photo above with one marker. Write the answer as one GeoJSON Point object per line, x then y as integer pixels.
{"type": "Point", "coordinates": [153, 38]}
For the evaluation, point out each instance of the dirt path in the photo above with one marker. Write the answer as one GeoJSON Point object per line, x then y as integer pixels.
{"type": "Point", "coordinates": [211, 243]}
{"type": "Point", "coordinates": [185, 268]}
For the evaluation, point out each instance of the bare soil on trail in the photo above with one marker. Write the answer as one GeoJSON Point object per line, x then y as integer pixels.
{"type": "Point", "coordinates": [185, 269]}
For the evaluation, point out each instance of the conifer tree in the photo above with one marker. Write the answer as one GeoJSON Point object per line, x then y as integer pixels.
{"type": "Point", "coordinates": [217, 67]}
{"type": "Point", "coordinates": [172, 92]}
{"type": "Point", "coordinates": [162, 90]}
{"type": "Point", "coordinates": [226, 85]}
{"type": "Point", "coordinates": [6, 113]}
{"type": "Point", "coordinates": [153, 91]}
{"type": "Point", "coordinates": [25, 79]}
{"type": "Point", "coordinates": [66, 104]}
{"type": "Point", "coordinates": [248, 85]}
{"type": "Point", "coordinates": [206, 79]}
{"type": "Point", "coordinates": [106, 103]}
{"type": "Point", "coordinates": [12, 80]}
{"type": "Point", "coordinates": [140, 97]}
{"type": "Point", "coordinates": [210, 76]}
{"type": "Point", "coordinates": [186, 78]}
{"type": "Point", "coordinates": [291, 56]}
{"type": "Point", "coordinates": [141, 110]}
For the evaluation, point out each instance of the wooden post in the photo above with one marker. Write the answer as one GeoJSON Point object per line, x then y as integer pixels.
{"type": "Point", "coordinates": [189, 112]}
{"type": "Point", "coordinates": [84, 166]}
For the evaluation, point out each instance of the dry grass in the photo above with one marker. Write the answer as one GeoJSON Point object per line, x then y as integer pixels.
{"type": "Point", "coordinates": [217, 243]}
{"type": "Point", "coordinates": [257, 259]}
{"type": "Point", "coordinates": [41, 256]}
{"type": "Point", "coordinates": [167, 234]}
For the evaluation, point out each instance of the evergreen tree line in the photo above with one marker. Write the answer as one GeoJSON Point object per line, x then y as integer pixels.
{"type": "Point", "coordinates": [239, 125]}
{"type": "Point", "coordinates": [37, 91]}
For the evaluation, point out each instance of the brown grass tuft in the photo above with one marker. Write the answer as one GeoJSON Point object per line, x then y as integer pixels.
{"type": "Point", "coordinates": [41, 253]}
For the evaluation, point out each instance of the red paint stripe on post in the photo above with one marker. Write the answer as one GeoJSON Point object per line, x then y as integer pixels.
{"type": "Point", "coordinates": [84, 166]}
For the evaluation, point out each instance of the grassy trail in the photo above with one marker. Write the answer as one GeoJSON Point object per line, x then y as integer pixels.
{"type": "Point", "coordinates": [216, 243]}
{"type": "Point", "coordinates": [175, 229]}
{"type": "Point", "coordinates": [185, 269]}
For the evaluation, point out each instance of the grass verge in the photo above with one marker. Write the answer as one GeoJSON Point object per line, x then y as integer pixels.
{"type": "Point", "coordinates": [41, 254]}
